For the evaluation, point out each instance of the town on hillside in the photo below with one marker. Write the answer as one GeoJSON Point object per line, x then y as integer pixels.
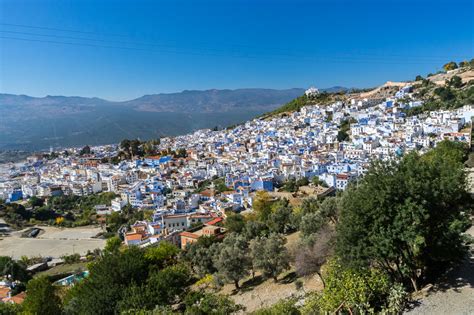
{"type": "Point", "coordinates": [322, 148]}
{"type": "Point", "coordinates": [180, 189]}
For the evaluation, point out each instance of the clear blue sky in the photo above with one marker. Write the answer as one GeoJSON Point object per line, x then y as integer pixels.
{"type": "Point", "coordinates": [123, 49]}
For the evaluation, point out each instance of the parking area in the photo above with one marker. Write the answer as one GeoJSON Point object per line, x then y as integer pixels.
{"type": "Point", "coordinates": [54, 242]}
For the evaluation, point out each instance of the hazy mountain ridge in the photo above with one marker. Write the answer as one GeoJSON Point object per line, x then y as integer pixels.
{"type": "Point", "coordinates": [32, 123]}
{"type": "Point", "coordinates": [212, 100]}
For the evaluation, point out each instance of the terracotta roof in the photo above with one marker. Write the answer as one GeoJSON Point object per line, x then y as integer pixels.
{"type": "Point", "coordinates": [189, 234]}
{"type": "Point", "coordinates": [4, 292]}
{"type": "Point", "coordinates": [133, 237]}
{"type": "Point", "coordinates": [207, 193]}
{"type": "Point", "coordinates": [17, 299]}
{"type": "Point", "coordinates": [342, 176]}
{"type": "Point", "coordinates": [215, 221]}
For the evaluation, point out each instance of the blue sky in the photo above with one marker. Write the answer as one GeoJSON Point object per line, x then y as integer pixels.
{"type": "Point", "coordinates": [123, 49]}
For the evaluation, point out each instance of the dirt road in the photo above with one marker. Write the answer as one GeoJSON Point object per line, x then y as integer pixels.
{"type": "Point", "coordinates": [54, 242]}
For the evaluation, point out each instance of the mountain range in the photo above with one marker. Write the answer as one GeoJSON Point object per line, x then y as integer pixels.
{"type": "Point", "coordinates": [35, 123]}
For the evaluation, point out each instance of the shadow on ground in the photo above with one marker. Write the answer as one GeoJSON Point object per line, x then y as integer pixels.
{"type": "Point", "coordinates": [250, 284]}
{"type": "Point", "coordinates": [459, 277]}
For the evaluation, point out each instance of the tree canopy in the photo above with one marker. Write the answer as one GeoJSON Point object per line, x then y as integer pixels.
{"type": "Point", "coordinates": [407, 216]}
{"type": "Point", "coordinates": [270, 255]}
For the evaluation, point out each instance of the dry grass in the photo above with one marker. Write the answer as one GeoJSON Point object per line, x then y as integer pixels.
{"type": "Point", "coordinates": [260, 292]}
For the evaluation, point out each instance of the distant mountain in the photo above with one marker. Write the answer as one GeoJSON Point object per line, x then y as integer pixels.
{"type": "Point", "coordinates": [336, 89]}
{"type": "Point", "coordinates": [32, 123]}
{"type": "Point", "coordinates": [211, 101]}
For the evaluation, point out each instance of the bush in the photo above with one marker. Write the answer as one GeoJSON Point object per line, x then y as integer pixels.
{"type": "Point", "coordinates": [358, 291]}
{"type": "Point", "coordinates": [199, 303]}
{"type": "Point", "coordinates": [41, 298]}
{"type": "Point", "coordinates": [71, 259]}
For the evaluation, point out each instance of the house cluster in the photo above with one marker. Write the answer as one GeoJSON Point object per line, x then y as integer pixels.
{"type": "Point", "coordinates": [256, 155]}
{"type": "Point", "coordinates": [7, 292]}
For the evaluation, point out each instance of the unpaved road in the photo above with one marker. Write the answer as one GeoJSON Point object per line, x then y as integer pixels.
{"type": "Point", "coordinates": [54, 242]}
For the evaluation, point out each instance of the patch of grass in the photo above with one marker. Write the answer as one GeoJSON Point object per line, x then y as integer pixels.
{"type": "Point", "coordinates": [63, 269]}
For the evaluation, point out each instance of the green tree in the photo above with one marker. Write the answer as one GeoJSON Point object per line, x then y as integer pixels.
{"type": "Point", "coordinates": [317, 182]}
{"type": "Point", "coordinates": [113, 244]}
{"type": "Point", "coordinates": [10, 309]}
{"type": "Point", "coordinates": [455, 82]}
{"type": "Point", "coordinates": [181, 153]}
{"type": "Point", "coordinates": [262, 205]}
{"type": "Point", "coordinates": [309, 205]}
{"type": "Point", "coordinates": [14, 270]}
{"type": "Point", "coordinates": [290, 185]}
{"type": "Point", "coordinates": [419, 78]}
{"type": "Point", "coordinates": [165, 254]}
{"type": "Point", "coordinates": [41, 298]}
{"type": "Point", "coordinates": [232, 260]}
{"type": "Point", "coordinates": [311, 223]}
{"type": "Point", "coordinates": [270, 255]}
{"type": "Point", "coordinates": [162, 288]}
{"type": "Point", "coordinates": [254, 228]}
{"type": "Point", "coordinates": [280, 220]}
{"type": "Point", "coordinates": [450, 66]}
{"type": "Point", "coordinates": [201, 255]}
{"type": "Point", "coordinates": [318, 215]}
{"type": "Point", "coordinates": [407, 216]}
{"type": "Point", "coordinates": [342, 135]}
{"type": "Point", "coordinates": [85, 150]}
{"type": "Point", "coordinates": [303, 181]}
{"type": "Point", "coordinates": [108, 280]}
{"type": "Point", "coordinates": [115, 220]}
{"type": "Point", "coordinates": [35, 202]}
{"type": "Point", "coordinates": [235, 223]}
{"type": "Point", "coordinates": [330, 208]}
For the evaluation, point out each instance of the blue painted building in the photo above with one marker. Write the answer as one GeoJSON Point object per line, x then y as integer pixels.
{"type": "Point", "coordinates": [15, 195]}
{"type": "Point", "coordinates": [262, 185]}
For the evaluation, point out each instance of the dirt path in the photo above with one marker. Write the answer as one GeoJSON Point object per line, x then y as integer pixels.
{"type": "Point", "coordinates": [454, 295]}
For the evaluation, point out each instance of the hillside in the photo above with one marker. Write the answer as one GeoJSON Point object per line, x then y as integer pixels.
{"type": "Point", "coordinates": [443, 90]}
{"type": "Point", "coordinates": [325, 97]}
